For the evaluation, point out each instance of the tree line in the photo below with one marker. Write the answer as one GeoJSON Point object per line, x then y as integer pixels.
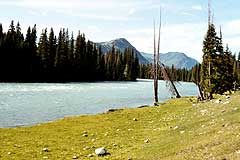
{"type": "Point", "coordinates": [175, 74]}
{"type": "Point", "coordinates": [60, 58]}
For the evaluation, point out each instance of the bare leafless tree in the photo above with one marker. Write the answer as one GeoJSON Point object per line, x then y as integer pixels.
{"type": "Point", "coordinates": [156, 59]}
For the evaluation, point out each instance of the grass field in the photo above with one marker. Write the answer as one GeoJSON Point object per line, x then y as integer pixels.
{"type": "Point", "coordinates": [177, 129]}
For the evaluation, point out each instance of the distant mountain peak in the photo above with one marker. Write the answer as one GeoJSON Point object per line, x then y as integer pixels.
{"type": "Point", "coordinates": [121, 44]}
{"type": "Point", "coordinates": [178, 59]}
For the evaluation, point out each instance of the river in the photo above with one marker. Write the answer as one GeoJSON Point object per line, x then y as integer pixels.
{"type": "Point", "coordinates": [26, 104]}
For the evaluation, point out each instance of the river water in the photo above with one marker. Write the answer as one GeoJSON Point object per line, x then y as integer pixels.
{"type": "Point", "coordinates": [26, 104]}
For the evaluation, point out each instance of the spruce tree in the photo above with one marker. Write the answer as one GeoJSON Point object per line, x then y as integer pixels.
{"type": "Point", "coordinates": [100, 65]}
{"type": "Point", "coordinates": [52, 44]}
{"type": "Point", "coordinates": [210, 44]}
{"type": "Point", "coordinates": [43, 52]}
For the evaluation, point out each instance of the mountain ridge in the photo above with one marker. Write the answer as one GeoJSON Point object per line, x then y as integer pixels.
{"type": "Point", "coordinates": [179, 59]}
{"type": "Point", "coordinates": [121, 44]}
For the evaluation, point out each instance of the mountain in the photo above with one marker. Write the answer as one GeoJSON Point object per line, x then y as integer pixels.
{"type": "Point", "coordinates": [121, 44]}
{"type": "Point", "coordinates": [178, 59]}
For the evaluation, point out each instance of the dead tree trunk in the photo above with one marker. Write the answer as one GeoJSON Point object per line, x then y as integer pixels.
{"type": "Point", "coordinates": [155, 77]}
{"type": "Point", "coordinates": [200, 91]}
{"type": "Point", "coordinates": [156, 60]}
{"type": "Point", "coordinates": [169, 81]}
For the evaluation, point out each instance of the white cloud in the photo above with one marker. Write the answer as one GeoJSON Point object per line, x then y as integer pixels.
{"type": "Point", "coordinates": [231, 34]}
{"type": "Point", "coordinates": [66, 4]}
{"type": "Point", "coordinates": [106, 10]}
{"type": "Point", "coordinates": [187, 14]}
{"type": "Point", "coordinates": [197, 8]}
{"type": "Point", "coordinates": [131, 11]}
{"type": "Point", "coordinates": [231, 28]}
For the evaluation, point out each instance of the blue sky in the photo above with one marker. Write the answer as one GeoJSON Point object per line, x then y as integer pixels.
{"type": "Point", "coordinates": [184, 21]}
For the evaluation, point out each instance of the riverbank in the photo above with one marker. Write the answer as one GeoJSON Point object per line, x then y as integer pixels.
{"type": "Point", "coordinates": [178, 129]}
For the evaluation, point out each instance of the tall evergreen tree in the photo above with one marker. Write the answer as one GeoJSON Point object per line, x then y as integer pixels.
{"type": "Point", "coordinates": [210, 44]}
{"type": "Point", "coordinates": [43, 53]}
{"type": "Point", "coordinates": [52, 44]}
{"type": "Point", "coordinates": [100, 65]}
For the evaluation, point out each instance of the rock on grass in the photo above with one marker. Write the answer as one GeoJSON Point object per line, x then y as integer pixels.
{"type": "Point", "coordinates": [100, 151]}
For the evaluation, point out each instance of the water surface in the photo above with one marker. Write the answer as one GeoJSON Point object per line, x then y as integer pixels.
{"type": "Point", "coordinates": [32, 103]}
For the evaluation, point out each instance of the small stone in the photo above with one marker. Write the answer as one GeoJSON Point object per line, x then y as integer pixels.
{"type": "Point", "coordinates": [203, 112]}
{"type": "Point", "coordinates": [175, 128]}
{"type": "Point", "coordinates": [84, 132]}
{"type": "Point", "coordinates": [235, 109]}
{"type": "Point", "coordinates": [106, 134]}
{"type": "Point", "coordinates": [118, 130]}
{"type": "Point", "coordinates": [114, 145]}
{"type": "Point", "coordinates": [90, 155]}
{"type": "Point", "coordinates": [146, 140]}
{"type": "Point", "coordinates": [218, 101]}
{"type": "Point", "coordinates": [129, 158]}
{"type": "Point", "coordinates": [238, 152]}
{"type": "Point", "coordinates": [134, 119]}
{"type": "Point", "coordinates": [85, 135]}
{"type": "Point", "coordinates": [182, 132]}
{"type": "Point", "coordinates": [75, 157]}
{"type": "Point", "coordinates": [9, 153]}
{"type": "Point", "coordinates": [16, 145]}
{"type": "Point", "coordinates": [86, 148]}
{"type": "Point", "coordinates": [45, 157]}
{"type": "Point", "coordinates": [223, 111]}
{"type": "Point", "coordinates": [227, 97]}
{"type": "Point", "coordinates": [93, 140]}
{"type": "Point", "coordinates": [100, 151]}
{"type": "Point", "coordinates": [156, 129]}
{"type": "Point", "coordinates": [45, 149]}
{"type": "Point", "coordinates": [227, 102]}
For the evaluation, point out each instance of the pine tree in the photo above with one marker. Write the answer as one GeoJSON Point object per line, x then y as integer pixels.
{"type": "Point", "coordinates": [1, 32]}
{"type": "Point", "coordinates": [2, 58]}
{"type": "Point", "coordinates": [210, 44]}
{"type": "Point", "coordinates": [61, 56]}
{"type": "Point", "coordinates": [52, 44]}
{"type": "Point", "coordinates": [80, 57]}
{"type": "Point", "coordinates": [43, 53]}
{"type": "Point", "coordinates": [10, 54]}
{"type": "Point", "coordinates": [228, 74]}
{"type": "Point", "coordinates": [238, 56]}
{"type": "Point", "coordinates": [100, 65]}
{"type": "Point", "coordinates": [71, 58]}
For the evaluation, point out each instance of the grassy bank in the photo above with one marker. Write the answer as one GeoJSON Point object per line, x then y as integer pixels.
{"type": "Point", "coordinates": [178, 129]}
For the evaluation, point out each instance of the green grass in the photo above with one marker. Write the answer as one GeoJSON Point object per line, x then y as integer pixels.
{"type": "Point", "coordinates": [178, 129]}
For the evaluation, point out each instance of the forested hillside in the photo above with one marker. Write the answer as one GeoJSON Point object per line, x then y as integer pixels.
{"type": "Point", "coordinates": [60, 58]}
